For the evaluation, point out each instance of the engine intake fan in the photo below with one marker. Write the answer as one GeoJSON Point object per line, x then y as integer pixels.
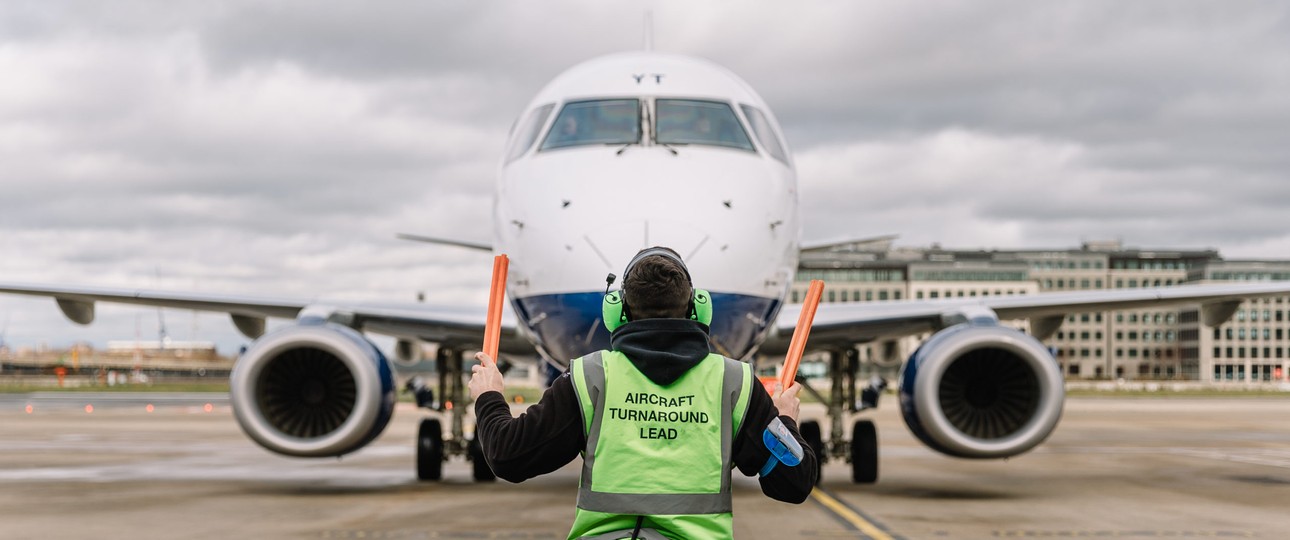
{"type": "Point", "coordinates": [314, 389]}
{"type": "Point", "coordinates": [981, 391]}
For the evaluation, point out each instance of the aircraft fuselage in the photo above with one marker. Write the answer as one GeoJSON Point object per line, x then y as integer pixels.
{"type": "Point", "coordinates": [635, 150]}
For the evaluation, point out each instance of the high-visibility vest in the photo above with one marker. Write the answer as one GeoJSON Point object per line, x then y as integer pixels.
{"type": "Point", "coordinates": [659, 453]}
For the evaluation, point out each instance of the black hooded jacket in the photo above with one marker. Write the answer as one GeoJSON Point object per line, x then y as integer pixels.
{"type": "Point", "coordinates": [549, 434]}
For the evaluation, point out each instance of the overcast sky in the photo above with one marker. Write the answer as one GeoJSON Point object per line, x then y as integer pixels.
{"type": "Point", "coordinates": [277, 147]}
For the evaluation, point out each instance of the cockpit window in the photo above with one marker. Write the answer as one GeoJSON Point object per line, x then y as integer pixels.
{"type": "Point", "coordinates": [765, 133]}
{"type": "Point", "coordinates": [527, 132]}
{"type": "Point", "coordinates": [691, 121]}
{"type": "Point", "coordinates": [601, 121]}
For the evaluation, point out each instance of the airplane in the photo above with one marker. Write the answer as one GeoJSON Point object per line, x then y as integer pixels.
{"type": "Point", "coordinates": [616, 154]}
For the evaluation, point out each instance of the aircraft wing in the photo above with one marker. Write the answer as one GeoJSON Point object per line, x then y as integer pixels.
{"type": "Point", "coordinates": [846, 324]}
{"type": "Point", "coordinates": [439, 324]}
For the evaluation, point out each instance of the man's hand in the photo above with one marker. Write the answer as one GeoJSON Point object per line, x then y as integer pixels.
{"type": "Point", "coordinates": [485, 377]}
{"type": "Point", "coordinates": [786, 401]}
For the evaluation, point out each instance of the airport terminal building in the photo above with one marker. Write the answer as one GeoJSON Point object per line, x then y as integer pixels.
{"type": "Point", "coordinates": [1151, 344]}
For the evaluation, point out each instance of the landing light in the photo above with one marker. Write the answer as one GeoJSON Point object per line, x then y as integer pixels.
{"type": "Point", "coordinates": [29, 409]}
{"type": "Point", "coordinates": [208, 407]}
{"type": "Point", "coordinates": [148, 408]}
{"type": "Point", "coordinates": [89, 408]}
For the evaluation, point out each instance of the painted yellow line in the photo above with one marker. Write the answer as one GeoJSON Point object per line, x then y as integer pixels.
{"type": "Point", "coordinates": [841, 510]}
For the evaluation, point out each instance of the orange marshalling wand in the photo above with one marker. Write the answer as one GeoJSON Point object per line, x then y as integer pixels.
{"type": "Point", "coordinates": [798, 345]}
{"type": "Point", "coordinates": [493, 328]}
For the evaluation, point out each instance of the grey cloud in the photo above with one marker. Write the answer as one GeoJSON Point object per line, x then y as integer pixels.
{"type": "Point", "coordinates": [275, 148]}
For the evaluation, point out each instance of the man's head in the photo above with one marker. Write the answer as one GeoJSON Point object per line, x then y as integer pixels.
{"type": "Point", "coordinates": [657, 286]}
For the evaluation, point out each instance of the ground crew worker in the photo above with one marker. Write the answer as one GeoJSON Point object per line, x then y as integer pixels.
{"type": "Point", "coordinates": [660, 420]}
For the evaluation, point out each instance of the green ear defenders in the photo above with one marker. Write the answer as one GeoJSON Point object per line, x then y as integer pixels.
{"type": "Point", "coordinates": [615, 312]}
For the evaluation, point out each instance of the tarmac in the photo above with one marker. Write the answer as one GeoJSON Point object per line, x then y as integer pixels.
{"type": "Point", "coordinates": [1115, 468]}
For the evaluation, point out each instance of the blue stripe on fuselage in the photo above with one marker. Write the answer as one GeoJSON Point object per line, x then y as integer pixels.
{"type": "Point", "coordinates": [569, 325]}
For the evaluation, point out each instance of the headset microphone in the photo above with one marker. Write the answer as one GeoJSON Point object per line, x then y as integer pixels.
{"type": "Point", "coordinates": [614, 309]}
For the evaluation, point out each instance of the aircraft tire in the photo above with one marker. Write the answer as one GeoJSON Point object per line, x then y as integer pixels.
{"type": "Point", "coordinates": [479, 465]}
{"type": "Point", "coordinates": [810, 431]}
{"type": "Point", "coordinates": [430, 450]}
{"type": "Point", "coordinates": [864, 452]}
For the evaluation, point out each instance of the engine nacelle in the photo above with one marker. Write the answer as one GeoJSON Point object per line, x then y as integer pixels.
{"type": "Point", "coordinates": [981, 391]}
{"type": "Point", "coordinates": [313, 389]}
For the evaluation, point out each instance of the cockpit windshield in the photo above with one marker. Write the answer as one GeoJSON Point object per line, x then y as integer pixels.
{"type": "Point", "coordinates": [692, 121]}
{"type": "Point", "coordinates": [601, 121]}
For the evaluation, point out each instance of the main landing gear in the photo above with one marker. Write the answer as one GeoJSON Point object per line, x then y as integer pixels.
{"type": "Point", "coordinates": [432, 448]}
{"type": "Point", "coordinates": [862, 450]}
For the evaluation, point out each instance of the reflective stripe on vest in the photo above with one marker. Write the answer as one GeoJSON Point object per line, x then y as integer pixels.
{"type": "Point", "coordinates": [590, 383]}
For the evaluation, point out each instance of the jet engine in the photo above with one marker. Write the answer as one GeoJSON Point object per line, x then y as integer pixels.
{"type": "Point", "coordinates": [980, 390]}
{"type": "Point", "coordinates": [313, 389]}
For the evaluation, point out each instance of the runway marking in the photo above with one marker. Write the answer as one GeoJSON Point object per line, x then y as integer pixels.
{"type": "Point", "coordinates": [1267, 457]}
{"type": "Point", "coordinates": [850, 515]}
{"type": "Point", "coordinates": [1122, 534]}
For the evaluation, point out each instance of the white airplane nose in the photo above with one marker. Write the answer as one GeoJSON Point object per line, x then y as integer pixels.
{"type": "Point", "coordinates": [618, 243]}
